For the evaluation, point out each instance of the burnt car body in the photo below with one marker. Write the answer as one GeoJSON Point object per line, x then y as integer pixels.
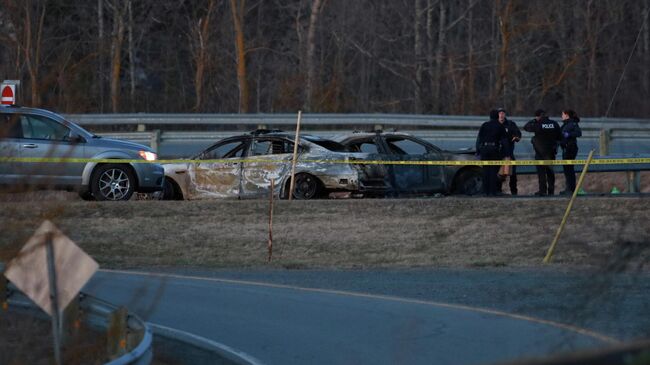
{"type": "Point", "coordinates": [249, 163]}
{"type": "Point", "coordinates": [417, 179]}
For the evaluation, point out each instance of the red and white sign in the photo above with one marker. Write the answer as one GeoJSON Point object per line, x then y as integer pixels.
{"type": "Point", "coordinates": [8, 94]}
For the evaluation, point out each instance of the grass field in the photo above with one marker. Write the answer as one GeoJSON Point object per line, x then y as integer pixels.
{"type": "Point", "coordinates": [432, 232]}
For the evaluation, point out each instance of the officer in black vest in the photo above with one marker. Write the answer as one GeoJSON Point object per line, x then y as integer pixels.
{"type": "Point", "coordinates": [492, 144]}
{"type": "Point", "coordinates": [547, 136]}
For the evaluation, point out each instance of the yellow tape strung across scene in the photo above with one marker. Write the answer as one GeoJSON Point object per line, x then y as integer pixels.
{"type": "Point", "coordinates": [604, 161]}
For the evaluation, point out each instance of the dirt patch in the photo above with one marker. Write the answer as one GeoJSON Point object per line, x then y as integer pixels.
{"type": "Point", "coordinates": [434, 232]}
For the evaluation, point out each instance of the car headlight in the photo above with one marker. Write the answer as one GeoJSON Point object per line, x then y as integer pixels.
{"type": "Point", "coordinates": [149, 156]}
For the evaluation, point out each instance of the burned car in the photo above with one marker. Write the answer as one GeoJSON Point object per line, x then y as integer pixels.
{"type": "Point", "coordinates": [244, 167]}
{"type": "Point", "coordinates": [417, 179]}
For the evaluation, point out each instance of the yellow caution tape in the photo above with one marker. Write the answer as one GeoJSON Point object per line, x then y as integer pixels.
{"type": "Point", "coordinates": [604, 161]}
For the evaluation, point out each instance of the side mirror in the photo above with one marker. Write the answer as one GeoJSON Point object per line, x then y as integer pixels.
{"type": "Point", "coordinates": [76, 138]}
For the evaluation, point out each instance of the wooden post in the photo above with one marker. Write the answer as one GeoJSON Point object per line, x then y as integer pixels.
{"type": "Point", "coordinates": [116, 336]}
{"type": "Point", "coordinates": [295, 156]}
{"type": "Point", "coordinates": [605, 136]}
{"type": "Point", "coordinates": [270, 245]}
{"type": "Point", "coordinates": [549, 254]}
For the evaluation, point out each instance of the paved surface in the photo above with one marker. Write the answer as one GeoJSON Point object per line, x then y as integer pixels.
{"type": "Point", "coordinates": [399, 319]}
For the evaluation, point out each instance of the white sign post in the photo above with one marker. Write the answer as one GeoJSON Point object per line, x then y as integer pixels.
{"type": "Point", "coordinates": [51, 270]}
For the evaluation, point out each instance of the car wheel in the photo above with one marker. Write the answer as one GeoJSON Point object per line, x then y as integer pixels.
{"type": "Point", "coordinates": [113, 182]}
{"type": "Point", "coordinates": [469, 182]}
{"type": "Point", "coordinates": [171, 191]}
{"type": "Point", "coordinates": [306, 187]}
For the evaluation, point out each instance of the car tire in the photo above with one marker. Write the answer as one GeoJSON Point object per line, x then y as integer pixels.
{"type": "Point", "coordinates": [307, 187]}
{"type": "Point", "coordinates": [469, 182]}
{"type": "Point", "coordinates": [171, 190]}
{"type": "Point", "coordinates": [113, 182]}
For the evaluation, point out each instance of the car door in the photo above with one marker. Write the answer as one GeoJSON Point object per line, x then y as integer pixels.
{"type": "Point", "coordinates": [414, 178]}
{"type": "Point", "coordinates": [374, 175]}
{"type": "Point", "coordinates": [10, 135]}
{"type": "Point", "coordinates": [43, 137]}
{"type": "Point", "coordinates": [268, 159]}
{"type": "Point", "coordinates": [218, 179]}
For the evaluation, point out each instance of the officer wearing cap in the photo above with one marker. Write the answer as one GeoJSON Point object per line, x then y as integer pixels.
{"type": "Point", "coordinates": [547, 136]}
{"type": "Point", "coordinates": [514, 136]}
{"type": "Point", "coordinates": [492, 144]}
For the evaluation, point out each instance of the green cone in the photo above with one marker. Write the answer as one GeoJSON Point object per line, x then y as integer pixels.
{"type": "Point", "coordinates": [581, 191]}
{"type": "Point", "coordinates": [615, 190]}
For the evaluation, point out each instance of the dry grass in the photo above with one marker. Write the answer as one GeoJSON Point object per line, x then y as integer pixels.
{"type": "Point", "coordinates": [435, 232]}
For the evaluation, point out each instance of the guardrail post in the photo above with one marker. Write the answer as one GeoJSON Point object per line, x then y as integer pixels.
{"type": "Point", "coordinates": [116, 336]}
{"type": "Point", "coordinates": [262, 126]}
{"type": "Point", "coordinates": [378, 127]}
{"type": "Point", "coordinates": [141, 128]}
{"type": "Point", "coordinates": [634, 181]}
{"type": "Point", "coordinates": [134, 335]}
{"type": "Point", "coordinates": [605, 136]}
{"type": "Point", "coordinates": [155, 140]}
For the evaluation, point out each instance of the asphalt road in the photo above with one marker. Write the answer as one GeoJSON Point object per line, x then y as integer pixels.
{"type": "Point", "coordinates": [389, 317]}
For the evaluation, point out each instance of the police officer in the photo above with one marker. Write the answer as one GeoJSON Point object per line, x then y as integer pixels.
{"type": "Point", "coordinates": [514, 136]}
{"type": "Point", "coordinates": [547, 135]}
{"type": "Point", "coordinates": [570, 131]}
{"type": "Point", "coordinates": [492, 144]}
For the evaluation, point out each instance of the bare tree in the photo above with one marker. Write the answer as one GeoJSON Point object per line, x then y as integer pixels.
{"type": "Point", "coordinates": [316, 8]}
{"type": "Point", "coordinates": [200, 46]}
{"type": "Point", "coordinates": [119, 8]}
{"type": "Point", "coordinates": [238, 11]}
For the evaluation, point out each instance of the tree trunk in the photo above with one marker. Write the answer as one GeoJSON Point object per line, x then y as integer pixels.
{"type": "Point", "coordinates": [437, 76]}
{"type": "Point", "coordinates": [201, 56]}
{"type": "Point", "coordinates": [32, 49]}
{"type": "Point", "coordinates": [131, 57]}
{"type": "Point", "coordinates": [646, 53]}
{"type": "Point", "coordinates": [592, 77]}
{"type": "Point", "coordinates": [418, 51]}
{"type": "Point", "coordinates": [100, 53]}
{"type": "Point", "coordinates": [116, 52]}
{"type": "Point", "coordinates": [316, 8]}
{"type": "Point", "coordinates": [238, 7]}
{"type": "Point", "coordinates": [471, 70]}
{"type": "Point", "coordinates": [505, 30]}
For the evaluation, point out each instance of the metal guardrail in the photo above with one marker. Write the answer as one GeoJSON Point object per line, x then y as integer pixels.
{"type": "Point", "coordinates": [154, 129]}
{"type": "Point", "coordinates": [435, 121]}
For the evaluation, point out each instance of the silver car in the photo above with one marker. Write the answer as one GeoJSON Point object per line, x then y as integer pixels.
{"type": "Point", "coordinates": [38, 133]}
{"type": "Point", "coordinates": [247, 164]}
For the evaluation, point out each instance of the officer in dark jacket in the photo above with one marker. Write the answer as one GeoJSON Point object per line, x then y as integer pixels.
{"type": "Point", "coordinates": [514, 136]}
{"type": "Point", "coordinates": [492, 144]}
{"type": "Point", "coordinates": [547, 135]}
{"type": "Point", "coordinates": [570, 131]}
